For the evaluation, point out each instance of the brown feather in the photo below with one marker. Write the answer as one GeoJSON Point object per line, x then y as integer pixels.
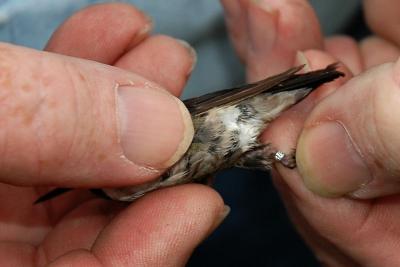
{"type": "Point", "coordinates": [285, 81]}
{"type": "Point", "coordinates": [203, 103]}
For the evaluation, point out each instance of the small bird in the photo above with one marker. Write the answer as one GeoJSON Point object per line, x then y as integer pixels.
{"type": "Point", "coordinates": [227, 126]}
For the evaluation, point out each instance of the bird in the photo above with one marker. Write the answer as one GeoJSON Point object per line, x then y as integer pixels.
{"type": "Point", "coordinates": [228, 124]}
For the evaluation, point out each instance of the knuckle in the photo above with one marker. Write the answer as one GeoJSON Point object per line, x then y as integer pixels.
{"type": "Point", "coordinates": [39, 130]}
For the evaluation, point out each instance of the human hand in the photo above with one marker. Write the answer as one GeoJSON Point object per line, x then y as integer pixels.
{"type": "Point", "coordinates": [347, 131]}
{"type": "Point", "coordinates": [72, 122]}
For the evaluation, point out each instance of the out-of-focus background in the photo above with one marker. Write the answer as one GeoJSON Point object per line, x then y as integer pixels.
{"type": "Point", "coordinates": [257, 232]}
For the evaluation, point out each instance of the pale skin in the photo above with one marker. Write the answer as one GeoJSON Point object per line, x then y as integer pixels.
{"type": "Point", "coordinates": [165, 226]}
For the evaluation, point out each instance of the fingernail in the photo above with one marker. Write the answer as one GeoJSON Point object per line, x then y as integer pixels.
{"type": "Point", "coordinates": [329, 161]}
{"type": "Point", "coordinates": [192, 53]}
{"type": "Point", "coordinates": [225, 212]}
{"type": "Point", "coordinates": [264, 5]}
{"type": "Point", "coordinates": [300, 60]}
{"type": "Point", "coordinates": [261, 40]}
{"type": "Point", "coordinates": [222, 216]}
{"type": "Point", "coordinates": [146, 28]}
{"type": "Point", "coordinates": [143, 32]}
{"type": "Point", "coordinates": [155, 127]}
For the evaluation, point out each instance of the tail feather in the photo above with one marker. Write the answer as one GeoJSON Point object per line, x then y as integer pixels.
{"type": "Point", "coordinates": [60, 191]}
{"type": "Point", "coordinates": [286, 81]}
{"type": "Point", "coordinates": [312, 79]}
{"type": "Point", "coordinates": [52, 194]}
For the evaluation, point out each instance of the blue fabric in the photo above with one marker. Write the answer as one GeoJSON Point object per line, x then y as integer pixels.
{"type": "Point", "coordinates": [31, 23]}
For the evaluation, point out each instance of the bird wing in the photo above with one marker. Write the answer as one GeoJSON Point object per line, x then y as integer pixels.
{"type": "Point", "coordinates": [285, 81]}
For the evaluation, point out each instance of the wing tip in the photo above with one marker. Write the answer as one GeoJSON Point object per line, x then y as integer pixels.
{"type": "Point", "coordinates": [50, 195]}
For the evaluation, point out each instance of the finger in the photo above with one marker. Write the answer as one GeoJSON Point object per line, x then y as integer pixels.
{"type": "Point", "coordinates": [350, 145]}
{"type": "Point", "coordinates": [346, 50]}
{"type": "Point", "coordinates": [145, 240]}
{"type": "Point", "coordinates": [72, 122]}
{"type": "Point", "coordinates": [317, 59]}
{"type": "Point", "coordinates": [305, 213]}
{"type": "Point", "coordinates": [383, 18]}
{"type": "Point", "coordinates": [376, 51]}
{"type": "Point", "coordinates": [235, 18]}
{"type": "Point", "coordinates": [162, 228]}
{"type": "Point", "coordinates": [161, 59]}
{"type": "Point", "coordinates": [20, 254]}
{"type": "Point", "coordinates": [78, 257]}
{"type": "Point", "coordinates": [17, 254]}
{"type": "Point", "coordinates": [285, 130]}
{"type": "Point", "coordinates": [368, 226]}
{"type": "Point", "coordinates": [276, 30]}
{"type": "Point", "coordinates": [84, 34]}
{"type": "Point", "coordinates": [80, 228]}
{"type": "Point", "coordinates": [20, 222]}
{"type": "Point", "coordinates": [317, 215]}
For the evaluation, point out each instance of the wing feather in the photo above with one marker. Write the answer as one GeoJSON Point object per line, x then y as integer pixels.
{"type": "Point", "coordinates": [285, 81]}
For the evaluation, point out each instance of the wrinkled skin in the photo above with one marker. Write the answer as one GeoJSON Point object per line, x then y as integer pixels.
{"type": "Point", "coordinates": [104, 233]}
{"type": "Point", "coordinates": [78, 229]}
{"type": "Point", "coordinates": [323, 194]}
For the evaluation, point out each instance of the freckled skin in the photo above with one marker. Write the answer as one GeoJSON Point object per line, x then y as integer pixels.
{"type": "Point", "coordinates": [227, 126]}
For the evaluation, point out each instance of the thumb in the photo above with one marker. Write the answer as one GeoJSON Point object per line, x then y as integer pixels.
{"type": "Point", "coordinates": [77, 123]}
{"type": "Point", "coordinates": [350, 144]}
